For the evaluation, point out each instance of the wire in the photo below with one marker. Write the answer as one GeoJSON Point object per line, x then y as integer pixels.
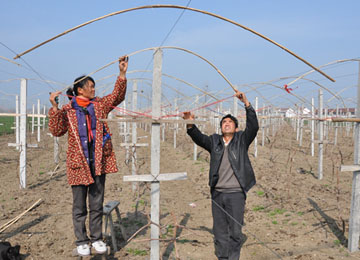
{"type": "Point", "coordinates": [168, 34]}
{"type": "Point", "coordinates": [37, 73]}
{"type": "Point", "coordinates": [172, 28]}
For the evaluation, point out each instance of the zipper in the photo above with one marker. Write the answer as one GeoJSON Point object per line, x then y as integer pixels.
{"type": "Point", "coordinates": [233, 154]}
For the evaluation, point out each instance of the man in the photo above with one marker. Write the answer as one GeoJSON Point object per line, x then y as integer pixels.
{"type": "Point", "coordinates": [230, 177]}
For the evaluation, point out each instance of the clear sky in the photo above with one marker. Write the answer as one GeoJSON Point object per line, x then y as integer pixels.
{"type": "Point", "coordinates": [319, 31]}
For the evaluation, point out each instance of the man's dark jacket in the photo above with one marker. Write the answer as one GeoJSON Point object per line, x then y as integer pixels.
{"type": "Point", "coordinates": [238, 151]}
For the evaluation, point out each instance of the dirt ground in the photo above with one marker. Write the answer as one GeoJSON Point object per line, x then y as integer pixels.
{"type": "Point", "coordinates": [290, 214]}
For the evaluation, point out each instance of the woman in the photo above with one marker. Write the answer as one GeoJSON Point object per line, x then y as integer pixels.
{"type": "Point", "coordinates": [90, 155]}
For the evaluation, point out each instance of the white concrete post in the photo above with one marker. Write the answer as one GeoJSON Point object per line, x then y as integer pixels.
{"type": "Point", "coordinates": [155, 155]}
{"type": "Point", "coordinates": [126, 135]}
{"type": "Point", "coordinates": [235, 107]}
{"type": "Point", "coordinates": [301, 125]}
{"type": "Point", "coordinates": [298, 123]}
{"type": "Point", "coordinates": [175, 125]}
{"type": "Point", "coordinates": [312, 127]}
{"type": "Point", "coordinates": [326, 127]}
{"type": "Point", "coordinates": [321, 136]}
{"type": "Point", "coordinates": [217, 121]}
{"type": "Point", "coordinates": [44, 119]}
{"type": "Point", "coordinates": [354, 223]}
{"type": "Point", "coordinates": [336, 126]}
{"type": "Point", "coordinates": [38, 121]}
{"type": "Point", "coordinates": [256, 140]}
{"type": "Point", "coordinates": [263, 120]}
{"type": "Point", "coordinates": [33, 119]}
{"type": "Point", "coordinates": [17, 119]}
{"type": "Point", "coordinates": [301, 131]}
{"type": "Point", "coordinates": [268, 121]}
{"type": "Point", "coordinates": [134, 135]}
{"type": "Point", "coordinates": [23, 117]}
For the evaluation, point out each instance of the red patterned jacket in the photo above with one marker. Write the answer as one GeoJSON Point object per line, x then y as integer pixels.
{"type": "Point", "coordinates": [64, 120]}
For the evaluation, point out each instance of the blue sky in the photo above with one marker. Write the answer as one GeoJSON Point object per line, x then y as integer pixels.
{"type": "Point", "coordinates": [319, 31]}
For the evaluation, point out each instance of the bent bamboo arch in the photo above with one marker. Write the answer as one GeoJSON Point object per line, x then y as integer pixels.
{"type": "Point", "coordinates": [322, 66]}
{"type": "Point", "coordinates": [178, 7]}
{"type": "Point", "coordinates": [323, 87]}
{"type": "Point", "coordinates": [165, 47]}
{"type": "Point", "coordinates": [182, 81]}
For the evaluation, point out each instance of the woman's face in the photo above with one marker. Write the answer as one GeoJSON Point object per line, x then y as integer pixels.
{"type": "Point", "coordinates": [88, 91]}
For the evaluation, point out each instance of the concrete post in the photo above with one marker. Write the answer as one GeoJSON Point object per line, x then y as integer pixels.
{"type": "Point", "coordinates": [23, 117]}
{"type": "Point", "coordinates": [155, 156]}
{"type": "Point", "coordinates": [17, 119]}
{"type": "Point", "coordinates": [321, 136]}
{"type": "Point", "coordinates": [134, 136]}
{"type": "Point", "coordinates": [312, 127]}
{"type": "Point", "coordinates": [354, 223]}
{"type": "Point", "coordinates": [256, 140]}
{"type": "Point", "coordinates": [38, 121]}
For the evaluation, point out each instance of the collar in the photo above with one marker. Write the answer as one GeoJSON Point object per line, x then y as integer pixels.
{"type": "Point", "coordinates": [80, 103]}
{"type": "Point", "coordinates": [226, 143]}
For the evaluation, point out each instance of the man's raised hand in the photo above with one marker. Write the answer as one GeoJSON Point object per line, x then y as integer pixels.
{"type": "Point", "coordinates": [188, 116]}
{"type": "Point", "coordinates": [242, 97]}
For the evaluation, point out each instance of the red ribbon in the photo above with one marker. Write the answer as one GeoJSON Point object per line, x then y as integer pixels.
{"type": "Point", "coordinates": [287, 89]}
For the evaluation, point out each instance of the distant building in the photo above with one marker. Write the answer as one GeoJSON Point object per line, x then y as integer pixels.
{"type": "Point", "coordinates": [290, 112]}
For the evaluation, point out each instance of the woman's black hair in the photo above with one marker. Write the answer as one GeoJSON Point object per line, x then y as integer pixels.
{"type": "Point", "coordinates": [79, 82]}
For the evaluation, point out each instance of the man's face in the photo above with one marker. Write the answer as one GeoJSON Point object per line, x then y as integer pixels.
{"type": "Point", "coordinates": [228, 126]}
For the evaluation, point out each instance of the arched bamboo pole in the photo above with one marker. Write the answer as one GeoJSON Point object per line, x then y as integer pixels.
{"type": "Point", "coordinates": [13, 62]}
{"type": "Point", "coordinates": [325, 65]}
{"type": "Point", "coordinates": [166, 75]}
{"type": "Point", "coordinates": [166, 85]}
{"type": "Point", "coordinates": [323, 87]}
{"type": "Point", "coordinates": [339, 92]}
{"type": "Point", "coordinates": [178, 7]}
{"type": "Point", "coordinates": [276, 86]}
{"type": "Point", "coordinates": [182, 81]}
{"type": "Point", "coordinates": [162, 47]}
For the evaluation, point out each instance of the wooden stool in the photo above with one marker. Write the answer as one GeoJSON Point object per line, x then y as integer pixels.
{"type": "Point", "coordinates": [108, 208]}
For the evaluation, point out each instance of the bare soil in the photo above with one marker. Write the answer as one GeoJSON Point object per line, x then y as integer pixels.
{"type": "Point", "coordinates": [290, 214]}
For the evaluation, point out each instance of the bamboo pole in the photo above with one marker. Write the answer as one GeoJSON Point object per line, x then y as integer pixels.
{"type": "Point", "coordinates": [178, 7]}
{"type": "Point", "coordinates": [14, 220]}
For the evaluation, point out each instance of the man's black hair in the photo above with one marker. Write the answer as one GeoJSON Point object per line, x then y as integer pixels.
{"type": "Point", "coordinates": [232, 118]}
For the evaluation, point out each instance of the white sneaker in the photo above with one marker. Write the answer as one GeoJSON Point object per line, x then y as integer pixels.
{"type": "Point", "coordinates": [83, 250]}
{"type": "Point", "coordinates": [100, 246]}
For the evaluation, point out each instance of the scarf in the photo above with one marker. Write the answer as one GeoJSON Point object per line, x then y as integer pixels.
{"type": "Point", "coordinates": [84, 102]}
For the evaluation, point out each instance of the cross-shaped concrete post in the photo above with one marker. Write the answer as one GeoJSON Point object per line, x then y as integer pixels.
{"type": "Point", "coordinates": [33, 119]}
{"type": "Point", "coordinates": [22, 164]}
{"type": "Point", "coordinates": [321, 135]}
{"type": "Point", "coordinates": [17, 120]}
{"type": "Point", "coordinates": [155, 176]}
{"type": "Point", "coordinates": [256, 141]}
{"type": "Point", "coordinates": [38, 121]}
{"type": "Point", "coordinates": [354, 223]}
{"type": "Point", "coordinates": [312, 127]}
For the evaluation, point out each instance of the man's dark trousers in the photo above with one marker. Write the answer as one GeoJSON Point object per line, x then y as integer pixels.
{"type": "Point", "coordinates": [227, 233]}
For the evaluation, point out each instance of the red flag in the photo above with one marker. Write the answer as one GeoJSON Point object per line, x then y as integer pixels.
{"type": "Point", "coordinates": [287, 89]}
